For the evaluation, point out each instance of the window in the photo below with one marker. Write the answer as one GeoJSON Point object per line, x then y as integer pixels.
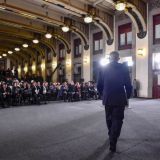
{"type": "Point", "coordinates": [97, 43]}
{"type": "Point", "coordinates": [77, 48]}
{"type": "Point", "coordinates": [62, 52]}
{"type": "Point", "coordinates": [125, 36]}
{"type": "Point", "coordinates": [156, 61]}
{"type": "Point", "coordinates": [156, 29]}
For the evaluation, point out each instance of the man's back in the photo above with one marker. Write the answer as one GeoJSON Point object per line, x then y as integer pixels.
{"type": "Point", "coordinates": [114, 84]}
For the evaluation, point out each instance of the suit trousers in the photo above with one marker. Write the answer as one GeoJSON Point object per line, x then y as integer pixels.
{"type": "Point", "coordinates": [114, 120]}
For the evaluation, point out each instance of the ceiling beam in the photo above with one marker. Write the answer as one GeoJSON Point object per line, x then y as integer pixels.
{"type": "Point", "coordinates": [97, 2]}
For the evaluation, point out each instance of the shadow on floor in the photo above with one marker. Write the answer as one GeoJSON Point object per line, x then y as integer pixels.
{"type": "Point", "coordinates": [100, 151]}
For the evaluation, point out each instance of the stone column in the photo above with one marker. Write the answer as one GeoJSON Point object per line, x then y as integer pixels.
{"type": "Point", "coordinates": [26, 68]}
{"type": "Point", "coordinates": [112, 47]}
{"type": "Point", "coordinates": [34, 67]}
{"type": "Point", "coordinates": [142, 66]}
{"type": "Point", "coordinates": [86, 73]}
{"type": "Point", "coordinates": [43, 68]}
{"type": "Point", "coordinates": [68, 64]}
{"type": "Point", "coordinates": [8, 64]}
{"type": "Point", "coordinates": [19, 71]}
{"type": "Point", "coordinates": [54, 65]}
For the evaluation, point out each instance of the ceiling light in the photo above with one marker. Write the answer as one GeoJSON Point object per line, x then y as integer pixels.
{"type": "Point", "coordinates": [120, 6]}
{"type": "Point", "coordinates": [0, 57]}
{"type": "Point", "coordinates": [88, 19]}
{"type": "Point", "coordinates": [25, 45]}
{"type": "Point", "coordinates": [4, 55]}
{"type": "Point", "coordinates": [65, 28]}
{"type": "Point", "coordinates": [35, 41]}
{"type": "Point", "coordinates": [10, 52]}
{"type": "Point", "coordinates": [48, 35]}
{"type": "Point", "coordinates": [17, 49]}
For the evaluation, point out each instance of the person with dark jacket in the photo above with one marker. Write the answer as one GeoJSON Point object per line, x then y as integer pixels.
{"type": "Point", "coordinates": [115, 87]}
{"type": "Point", "coordinates": [71, 91]}
{"type": "Point", "coordinates": [36, 93]}
{"type": "Point", "coordinates": [5, 95]}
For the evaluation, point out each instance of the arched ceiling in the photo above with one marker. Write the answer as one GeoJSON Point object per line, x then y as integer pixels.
{"type": "Point", "coordinates": [22, 21]}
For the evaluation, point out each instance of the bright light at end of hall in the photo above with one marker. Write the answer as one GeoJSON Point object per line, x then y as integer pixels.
{"type": "Point", "coordinates": [25, 45]}
{"type": "Point", "coordinates": [120, 6]}
{"type": "Point", "coordinates": [17, 49]}
{"type": "Point", "coordinates": [48, 35]}
{"type": "Point", "coordinates": [88, 19]}
{"type": "Point", "coordinates": [10, 52]}
{"type": "Point", "coordinates": [128, 61]}
{"type": "Point", "coordinates": [65, 28]}
{"type": "Point", "coordinates": [35, 41]}
{"type": "Point", "coordinates": [104, 61]}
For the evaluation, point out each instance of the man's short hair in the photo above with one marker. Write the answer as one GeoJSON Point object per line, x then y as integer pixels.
{"type": "Point", "coordinates": [114, 56]}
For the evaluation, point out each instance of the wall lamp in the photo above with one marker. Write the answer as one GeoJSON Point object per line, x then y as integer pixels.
{"type": "Point", "coordinates": [140, 52]}
{"type": "Point", "coordinates": [33, 68]}
{"type": "Point", "coordinates": [25, 69]}
{"type": "Point", "coordinates": [68, 62]}
{"type": "Point", "coordinates": [86, 59]}
{"type": "Point", "coordinates": [43, 66]}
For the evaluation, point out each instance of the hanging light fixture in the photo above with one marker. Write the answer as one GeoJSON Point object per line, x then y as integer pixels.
{"type": "Point", "coordinates": [25, 45]}
{"type": "Point", "coordinates": [88, 19]}
{"type": "Point", "coordinates": [4, 54]}
{"type": "Point", "coordinates": [0, 57]}
{"type": "Point", "coordinates": [10, 52]}
{"type": "Point", "coordinates": [17, 49]}
{"type": "Point", "coordinates": [2, 8]}
{"type": "Point", "coordinates": [35, 41]}
{"type": "Point", "coordinates": [48, 35]}
{"type": "Point", "coordinates": [120, 5]}
{"type": "Point", "coordinates": [65, 28]}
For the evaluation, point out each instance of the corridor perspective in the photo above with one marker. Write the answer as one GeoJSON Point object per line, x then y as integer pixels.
{"type": "Point", "coordinates": [79, 79]}
{"type": "Point", "coordinates": [77, 131]}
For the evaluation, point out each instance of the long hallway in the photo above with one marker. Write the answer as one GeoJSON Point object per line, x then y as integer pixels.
{"type": "Point", "coordinates": [77, 131]}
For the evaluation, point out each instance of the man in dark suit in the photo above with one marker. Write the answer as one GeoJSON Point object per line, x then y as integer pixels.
{"type": "Point", "coordinates": [115, 87]}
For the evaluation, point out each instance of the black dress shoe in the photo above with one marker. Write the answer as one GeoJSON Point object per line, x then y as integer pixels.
{"type": "Point", "coordinates": [112, 147]}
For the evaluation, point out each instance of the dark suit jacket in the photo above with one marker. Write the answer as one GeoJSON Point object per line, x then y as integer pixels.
{"type": "Point", "coordinates": [114, 84]}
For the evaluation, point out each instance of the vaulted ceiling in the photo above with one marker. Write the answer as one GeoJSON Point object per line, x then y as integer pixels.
{"type": "Point", "coordinates": [23, 21]}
